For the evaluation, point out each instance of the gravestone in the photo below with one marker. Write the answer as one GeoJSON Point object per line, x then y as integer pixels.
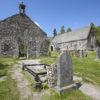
{"type": "Point", "coordinates": [98, 52]}
{"type": "Point", "coordinates": [64, 71]}
{"type": "Point", "coordinates": [60, 75]}
{"type": "Point", "coordinates": [81, 53]}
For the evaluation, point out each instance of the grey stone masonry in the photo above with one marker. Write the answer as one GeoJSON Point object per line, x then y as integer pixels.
{"type": "Point", "coordinates": [80, 39]}
{"type": "Point", "coordinates": [52, 75]}
{"type": "Point", "coordinates": [20, 36]}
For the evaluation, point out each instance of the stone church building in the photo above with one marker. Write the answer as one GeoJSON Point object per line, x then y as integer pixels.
{"type": "Point", "coordinates": [20, 36]}
{"type": "Point", "coordinates": [81, 39]}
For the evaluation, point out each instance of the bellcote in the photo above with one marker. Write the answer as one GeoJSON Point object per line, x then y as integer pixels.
{"type": "Point", "coordinates": [22, 7]}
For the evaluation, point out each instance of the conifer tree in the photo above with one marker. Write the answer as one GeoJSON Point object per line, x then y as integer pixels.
{"type": "Point", "coordinates": [54, 32]}
{"type": "Point", "coordinates": [69, 30]}
{"type": "Point", "coordinates": [62, 30]}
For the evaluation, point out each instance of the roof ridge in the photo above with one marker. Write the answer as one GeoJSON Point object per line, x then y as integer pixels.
{"type": "Point", "coordinates": [79, 34]}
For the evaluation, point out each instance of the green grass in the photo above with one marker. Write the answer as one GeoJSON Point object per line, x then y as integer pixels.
{"type": "Point", "coordinates": [70, 95]}
{"type": "Point", "coordinates": [49, 59]}
{"type": "Point", "coordinates": [8, 90]}
{"type": "Point", "coordinates": [87, 68]}
{"type": "Point", "coordinates": [5, 64]}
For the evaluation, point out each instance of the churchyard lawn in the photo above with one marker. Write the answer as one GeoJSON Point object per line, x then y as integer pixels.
{"type": "Point", "coordinates": [88, 67]}
{"type": "Point", "coordinates": [8, 89]}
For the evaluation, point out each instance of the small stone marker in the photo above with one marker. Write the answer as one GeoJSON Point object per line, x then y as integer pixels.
{"type": "Point", "coordinates": [60, 75]}
{"type": "Point", "coordinates": [81, 53]}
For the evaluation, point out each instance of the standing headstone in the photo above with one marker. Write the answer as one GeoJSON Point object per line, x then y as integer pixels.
{"type": "Point", "coordinates": [64, 71]}
{"type": "Point", "coordinates": [60, 75]}
{"type": "Point", "coordinates": [98, 52]}
{"type": "Point", "coordinates": [81, 53]}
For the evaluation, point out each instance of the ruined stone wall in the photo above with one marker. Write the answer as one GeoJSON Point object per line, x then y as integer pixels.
{"type": "Point", "coordinates": [44, 47]}
{"type": "Point", "coordinates": [52, 75]}
{"type": "Point", "coordinates": [8, 47]}
{"type": "Point", "coordinates": [19, 30]}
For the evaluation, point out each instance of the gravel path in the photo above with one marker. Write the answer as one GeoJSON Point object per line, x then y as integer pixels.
{"type": "Point", "coordinates": [22, 82]}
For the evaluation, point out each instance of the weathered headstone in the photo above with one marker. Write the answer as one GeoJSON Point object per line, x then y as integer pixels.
{"type": "Point", "coordinates": [64, 71]}
{"type": "Point", "coordinates": [60, 75]}
{"type": "Point", "coordinates": [98, 52]}
{"type": "Point", "coordinates": [81, 53]}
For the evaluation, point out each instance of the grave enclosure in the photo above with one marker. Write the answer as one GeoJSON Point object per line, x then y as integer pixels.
{"type": "Point", "coordinates": [58, 76]}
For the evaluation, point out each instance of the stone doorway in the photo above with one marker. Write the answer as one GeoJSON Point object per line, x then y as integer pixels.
{"type": "Point", "coordinates": [22, 50]}
{"type": "Point", "coordinates": [51, 48]}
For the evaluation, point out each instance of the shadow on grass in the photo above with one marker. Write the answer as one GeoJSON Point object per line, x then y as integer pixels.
{"type": "Point", "coordinates": [3, 69]}
{"type": "Point", "coordinates": [3, 66]}
{"type": "Point", "coordinates": [1, 75]}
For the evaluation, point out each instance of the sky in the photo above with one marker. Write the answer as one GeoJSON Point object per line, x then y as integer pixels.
{"type": "Point", "coordinates": [50, 14]}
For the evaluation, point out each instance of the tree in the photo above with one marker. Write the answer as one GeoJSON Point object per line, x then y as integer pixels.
{"type": "Point", "coordinates": [98, 34]}
{"type": "Point", "coordinates": [54, 32]}
{"type": "Point", "coordinates": [96, 30]}
{"type": "Point", "coordinates": [69, 30]}
{"type": "Point", "coordinates": [62, 30]}
{"type": "Point", "coordinates": [92, 24]}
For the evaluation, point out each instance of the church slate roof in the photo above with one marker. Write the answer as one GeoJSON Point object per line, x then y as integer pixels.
{"type": "Point", "coordinates": [79, 34]}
